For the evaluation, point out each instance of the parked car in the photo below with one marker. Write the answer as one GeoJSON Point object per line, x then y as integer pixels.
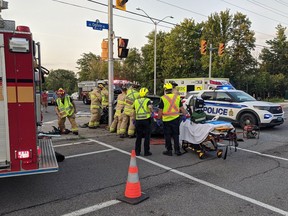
{"type": "Point", "coordinates": [51, 99]}
{"type": "Point", "coordinates": [237, 107]}
{"type": "Point", "coordinates": [155, 128]}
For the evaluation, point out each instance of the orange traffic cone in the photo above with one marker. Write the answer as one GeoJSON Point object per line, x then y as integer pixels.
{"type": "Point", "coordinates": [133, 194]}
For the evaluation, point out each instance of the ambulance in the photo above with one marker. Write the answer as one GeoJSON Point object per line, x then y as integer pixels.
{"type": "Point", "coordinates": [22, 150]}
{"type": "Point", "coordinates": [186, 85]}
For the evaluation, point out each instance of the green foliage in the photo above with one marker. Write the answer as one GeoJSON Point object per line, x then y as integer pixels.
{"type": "Point", "coordinates": [91, 67]}
{"type": "Point", "coordinates": [61, 78]}
{"type": "Point", "coordinates": [178, 56]}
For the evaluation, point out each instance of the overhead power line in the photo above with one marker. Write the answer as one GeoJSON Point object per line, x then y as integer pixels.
{"type": "Point", "coordinates": [254, 12]}
{"type": "Point", "coordinates": [268, 8]}
{"type": "Point", "coordinates": [176, 6]}
{"type": "Point", "coordinates": [282, 3]}
{"type": "Point", "coordinates": [87, 8]}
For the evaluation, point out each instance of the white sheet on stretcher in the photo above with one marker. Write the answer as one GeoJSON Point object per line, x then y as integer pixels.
{"type": "Point", "coordinates": [197, 133]}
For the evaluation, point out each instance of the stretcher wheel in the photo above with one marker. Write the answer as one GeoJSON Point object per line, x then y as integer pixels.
{"type": "Point", "coordinates": [184, 146]}
{"type": "Point", "coordinates": [200, 154]}
{"type": "Point", "coordinates": [219, 153]}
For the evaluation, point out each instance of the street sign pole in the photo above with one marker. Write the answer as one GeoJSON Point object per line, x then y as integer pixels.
{"type": "Point", "coordinates": [110, 60]}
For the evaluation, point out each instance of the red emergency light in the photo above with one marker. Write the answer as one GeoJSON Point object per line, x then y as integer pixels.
{"type": "Point", "coordinates": [215, 82]}
{"type": "Point", "coordinates": [23, 29]}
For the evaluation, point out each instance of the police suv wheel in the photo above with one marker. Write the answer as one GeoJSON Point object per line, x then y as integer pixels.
{"type": "Point", "coordinates": [247, 116]}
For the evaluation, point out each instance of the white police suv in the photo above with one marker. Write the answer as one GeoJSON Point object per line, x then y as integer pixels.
{"type": "Point", "coordinates": [237, 106]}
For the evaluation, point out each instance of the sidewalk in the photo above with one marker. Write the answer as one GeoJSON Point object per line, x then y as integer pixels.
{"type": "Point", "coordinates": [84, 133]}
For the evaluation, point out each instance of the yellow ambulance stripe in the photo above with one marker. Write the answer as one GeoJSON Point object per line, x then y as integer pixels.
{"type": "Point", "coordinates": [25, 94]}
{"type": "Point", "coordinates": [11, 93]}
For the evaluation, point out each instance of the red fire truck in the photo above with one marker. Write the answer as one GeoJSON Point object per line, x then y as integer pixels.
{"type": "Point", "coordinates": [22, 151]}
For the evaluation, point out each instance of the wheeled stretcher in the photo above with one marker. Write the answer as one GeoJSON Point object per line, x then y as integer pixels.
{"type": "Point", "coordinates": [206, 137]}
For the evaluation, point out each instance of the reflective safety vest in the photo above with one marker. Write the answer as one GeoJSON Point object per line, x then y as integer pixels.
{"type": "Point", "coordinates": [171, 107]}
{"type": "Point", "coordinates": [105, 97]}
{"type": "Point", "coordinates": [120, 103]}
{"type": "Point", "coordinates": [142, 109]}
{"type": "Point", "coordinates": [66, 108]}
{"type": "Point", "coordinates": [131, 96]}
{"type": "Point", "coordinates": [96, 98]}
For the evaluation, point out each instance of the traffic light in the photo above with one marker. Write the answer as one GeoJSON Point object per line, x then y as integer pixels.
{"type": "Point", "coordinates": [104, 47]}
{"type": "Point", "coordinates": [122, 48]}
{"type": "Point", "coordinates": [203, 49]}
{"type": "Point", "coordinates": [121, 4]}
{"type": "Point", "coordinates": [221, 49]}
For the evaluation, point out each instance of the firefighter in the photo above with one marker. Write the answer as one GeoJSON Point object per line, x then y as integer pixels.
{"type": "Point", "coordinates": [65, 107]}
{"type": "Point", "coordinates": [143, 109]}
{"type": "Point", "coordinates": [95, 107]}
{"type": "Point", "coordinates": [104, 93]}
{"type": "Point", "coordinates": [169, 111]}
{"type": "Point", "coordinates": [128, 115]}
{"type": "Point", "coordinates": [119, 110]}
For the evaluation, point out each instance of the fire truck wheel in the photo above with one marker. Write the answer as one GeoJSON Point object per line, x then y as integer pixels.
{"type": "Point", "coordinates": [247, 116]}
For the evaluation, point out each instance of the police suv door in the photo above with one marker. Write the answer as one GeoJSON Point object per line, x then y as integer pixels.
{"type": "Point", "coordinates": [219, 103]}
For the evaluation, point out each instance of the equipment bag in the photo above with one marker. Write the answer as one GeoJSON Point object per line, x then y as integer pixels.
{"type": "Point", "coordinates": [198, 116]}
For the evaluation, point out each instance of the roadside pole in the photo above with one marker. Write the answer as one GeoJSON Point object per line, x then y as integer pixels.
{"type": "Point", "coordinates": [210, 60]}
{"type": "Point", "coordinates": [110, 60]}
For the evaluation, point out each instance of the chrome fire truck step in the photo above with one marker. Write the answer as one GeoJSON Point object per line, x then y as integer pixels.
{"type": "Point", "coordinates": [47, 155]}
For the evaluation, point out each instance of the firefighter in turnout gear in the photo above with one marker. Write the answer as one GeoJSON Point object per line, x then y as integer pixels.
{"type": "Point", "coordinates": [104, 93]}
{"type": "Point", "coordinates": [65, 107]}
{"type": "Point", "coordinates": [95, 108]}
{"type": "Point", "coordinates": [169, 110]}
{"type": "Point", "coordinates": [143, 110]}
{"type": "Point", "coordinates": [118, 111]}
{"type": "Point", "coordinates": [128, 116]}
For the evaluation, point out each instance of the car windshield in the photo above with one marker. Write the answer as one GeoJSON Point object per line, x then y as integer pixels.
{"type": "Point", "coordinates": [194, 93]}
{"type": "Point", "coordinates": [240, 96]}
{"type": "Point", "coordinates": [50, 94]}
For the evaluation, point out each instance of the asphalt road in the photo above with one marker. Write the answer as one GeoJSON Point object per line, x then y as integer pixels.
{"type": "Point", "coordinates": [251, 181]}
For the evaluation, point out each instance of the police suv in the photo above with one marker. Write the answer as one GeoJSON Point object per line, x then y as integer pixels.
{"type": "Point", "coordinates": [237, 106]}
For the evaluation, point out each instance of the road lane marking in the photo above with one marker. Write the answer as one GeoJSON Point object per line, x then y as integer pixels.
{"type": "Point", "coordinates": [264, 155]}
{"type": "Point", "coordinates": [88, 153]}
{"type": "Point", "coordinates": [69, 144]}
{"type": "Point", "coordinates": [245, 198]}
{"type": "Point", "coordinates": [92, 208]}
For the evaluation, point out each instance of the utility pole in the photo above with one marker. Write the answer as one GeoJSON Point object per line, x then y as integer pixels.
{"type": "Point", "coordinates": [110, 60]}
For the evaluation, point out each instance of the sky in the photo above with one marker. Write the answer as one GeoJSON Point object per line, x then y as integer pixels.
{"type": "Point", "coordinates": [60, 25]}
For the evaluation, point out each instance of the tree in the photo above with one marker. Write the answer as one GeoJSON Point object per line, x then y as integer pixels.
{"type": "Point", "coordinates": [275, 58]}
{"type": "Point", "coordinates": [131, 67]}
{"type": "Point", "coordinates": [181, 51]}
{"type": "Point", "coordinates": [91, 67]}
{"type": "Point", "coordinates": [61, 78]}
{"type": "Point", "coordinates": [147, 69]}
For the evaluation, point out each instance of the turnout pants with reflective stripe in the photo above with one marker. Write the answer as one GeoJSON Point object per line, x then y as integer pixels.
{"type": "Point", "coordinates": [61, 123]}
{"type": "Point", "coordinates": [95, 117]}
{"type": "Point", "coordinates": [125, 120]}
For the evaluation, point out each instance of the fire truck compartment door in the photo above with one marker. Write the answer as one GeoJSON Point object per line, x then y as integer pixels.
{"type": "Point", "coordinates": [4, 135]}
